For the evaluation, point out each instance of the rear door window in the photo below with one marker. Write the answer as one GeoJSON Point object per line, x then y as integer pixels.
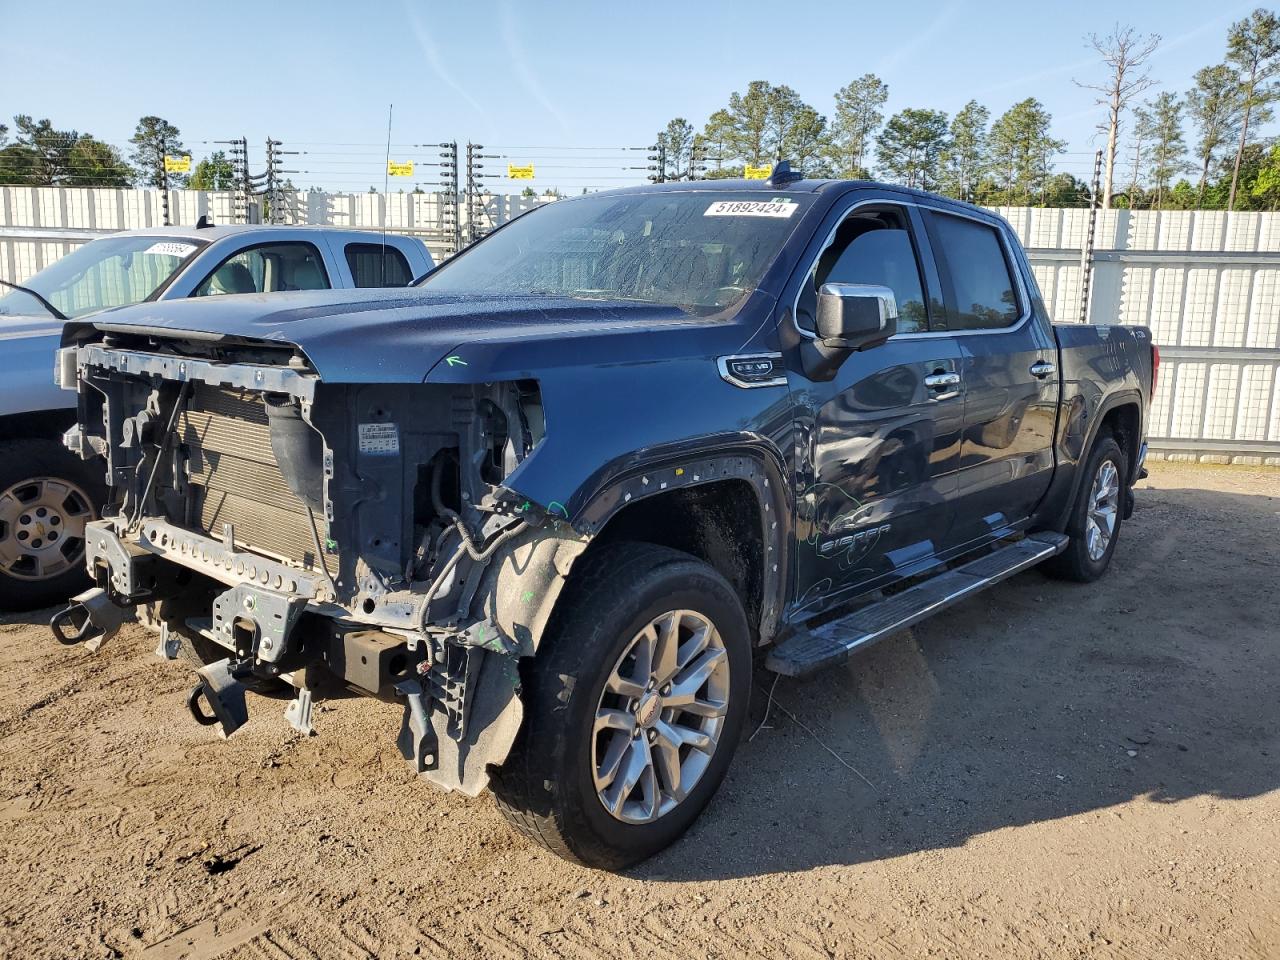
{"type": "Point", "coordinates": [984, 295]}
{"type": "Point", "coordinates": [377, 265]}
{"type": "Point", "coordinates": [268, 268]}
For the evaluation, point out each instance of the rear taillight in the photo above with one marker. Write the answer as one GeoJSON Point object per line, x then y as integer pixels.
{"type": "Point", "coordinates": [1155, 366]}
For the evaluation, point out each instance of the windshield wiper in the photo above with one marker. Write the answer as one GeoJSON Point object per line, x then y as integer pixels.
{"type": "Point", "coordinates": [58, 314]}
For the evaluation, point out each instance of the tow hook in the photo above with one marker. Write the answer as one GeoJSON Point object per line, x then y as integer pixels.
{"type": "Point", "coordinates": [220, 689]}
{"type": "Point", "coordinates": [92, 619]}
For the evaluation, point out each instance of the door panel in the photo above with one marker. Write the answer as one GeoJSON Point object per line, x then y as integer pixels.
{"type": "Point", "coordinates": [1006, 456]}
{"type": "Point", "coordinates": [878, 470]}
{"type": "Point", "coordinates": [878, 446]}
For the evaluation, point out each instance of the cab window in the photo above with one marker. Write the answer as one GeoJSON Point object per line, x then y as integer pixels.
{"type": "Point", "coordinates": [983, 294]}
{"type": "Point", "coordinates": [269, 268]}
{"type": "Point", "coordinates": [377, 265]}
{"type": "Point", "coordinates": [871, 245]}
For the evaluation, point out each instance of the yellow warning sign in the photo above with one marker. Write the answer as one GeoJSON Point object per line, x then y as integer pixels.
{"type": "Point", "coordinates": [396, 169]}
{"type": "Point", "coordinates": [177, 164]}
{"type": "Point", "coordinates": [519, 173]}
{"type": "Point", "coordinates": [757, 173]}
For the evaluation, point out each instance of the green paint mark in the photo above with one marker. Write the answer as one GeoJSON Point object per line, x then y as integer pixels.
{"type": "Point", "coordinates": [455, 361]}
{"type": "Point", "coordinates": [528, 596]}
{"type": "Point", "coordinates": [331, 544]}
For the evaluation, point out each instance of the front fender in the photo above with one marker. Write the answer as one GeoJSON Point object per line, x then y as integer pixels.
{"type": "Point", "coordinates": [26, 372]}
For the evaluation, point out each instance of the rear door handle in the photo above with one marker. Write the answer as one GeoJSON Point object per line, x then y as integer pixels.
{"type": "Point", "coordinates": [939, 381]}
{"type": "Point", "coordinates": [1043, 368]}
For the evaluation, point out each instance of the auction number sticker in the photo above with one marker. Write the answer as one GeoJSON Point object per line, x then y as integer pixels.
{"type": "Point", "coordinates": [751, 208]}
{"type": "Point", "coordinates": [379, 438]}
{"type": "Point", "coordinates": [170, 248]}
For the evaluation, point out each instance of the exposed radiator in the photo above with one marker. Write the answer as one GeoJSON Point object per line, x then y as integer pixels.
{"type": "Point", "coordinates": [235, 478]}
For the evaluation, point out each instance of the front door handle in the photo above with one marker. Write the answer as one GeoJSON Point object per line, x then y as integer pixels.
{"type": "Point", "coordinates": [940, 381]}
{"type": "Point", "coordinates": [1043, 368]}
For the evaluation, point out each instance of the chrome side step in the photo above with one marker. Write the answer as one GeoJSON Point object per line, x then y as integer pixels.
{"type": "Point", "coordinates": [837, 641]}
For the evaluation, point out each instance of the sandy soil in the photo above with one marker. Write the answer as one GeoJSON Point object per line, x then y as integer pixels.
{"type": "Point", "coordinates": [1050, 770]}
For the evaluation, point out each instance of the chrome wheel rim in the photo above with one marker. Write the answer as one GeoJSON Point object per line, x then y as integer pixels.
{"type": "Point", "coordinates": [1104, 507]}
{"type": "Point", "coordinates": [42, 524]}
{"type": "Point", "coordinates": [660, 717]}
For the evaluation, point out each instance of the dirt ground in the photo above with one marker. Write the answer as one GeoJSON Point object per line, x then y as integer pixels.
{"type": "Point", "coordinates": [1050, 770]}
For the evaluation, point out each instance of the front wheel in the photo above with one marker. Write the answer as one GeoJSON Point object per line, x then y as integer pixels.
{"type": "Point", "coordinates": [47, 495]}
{"type": "Point", "coordinates": [633, 708]}
{"type": "Point", "coordinates": [1096, 516]}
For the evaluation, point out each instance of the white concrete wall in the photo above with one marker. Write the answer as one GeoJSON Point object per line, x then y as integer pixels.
{"type": "Point", "coordinates": [1207, 283]}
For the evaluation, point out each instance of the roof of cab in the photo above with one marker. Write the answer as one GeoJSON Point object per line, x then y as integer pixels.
{"type": "Point", "coordinates": [800, 186]}
{"type": "Point", "coordinates": [219, 231]}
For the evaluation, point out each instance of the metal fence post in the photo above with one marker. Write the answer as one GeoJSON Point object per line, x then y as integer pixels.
{"type": "Point", "coordinates": [1086, 249]}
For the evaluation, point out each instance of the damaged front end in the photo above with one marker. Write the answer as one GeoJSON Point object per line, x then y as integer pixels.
{"type": "Point", "coordinates": [285, 528]}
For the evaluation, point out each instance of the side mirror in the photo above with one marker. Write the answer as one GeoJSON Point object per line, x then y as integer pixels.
{"type": "Point", "coordinates": [850, 317]}
{"type": "Point", "coordinates": [854, 316]}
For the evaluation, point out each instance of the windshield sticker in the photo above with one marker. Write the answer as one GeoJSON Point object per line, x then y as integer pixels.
{"type": "Point", "coordinates": [752, 208]}
{"type": "Point", "coordinates": [170, 248]}
{"type": "Point", "coordinates": [379, 438]}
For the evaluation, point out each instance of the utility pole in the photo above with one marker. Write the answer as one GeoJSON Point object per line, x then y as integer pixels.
{"type": "Point", "coordinates": [660, 170]}
{"type": "Point", "coordinates": [164, 178]}
{"type": "Point", "coordinates": [451, 222]}
{"type": "Point", "coordinates": [1086, 250]}
{"type": "Point", "coordinates": [274, 189]}
{"type": "Point", "coordinates": [698, 159]}
{"type": "Point", "coordinates": [241, 185]}
{"type": "Point", "coordinates": [476, 213]}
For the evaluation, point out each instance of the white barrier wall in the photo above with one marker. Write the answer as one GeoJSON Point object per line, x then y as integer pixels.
{"type": "Point", "coordinates": [1206, 282]}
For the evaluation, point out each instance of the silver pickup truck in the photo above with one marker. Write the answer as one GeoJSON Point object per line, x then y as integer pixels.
{"type": "Point", "coordinates": [47, 495]}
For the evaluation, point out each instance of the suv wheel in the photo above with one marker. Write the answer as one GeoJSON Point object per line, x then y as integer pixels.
{"type": "Point", "coordinates": [47, 495]}
{"type": "Point", "coordinates": [1094, 524]}
{"type": "Point", "coordinates": [633, 708]}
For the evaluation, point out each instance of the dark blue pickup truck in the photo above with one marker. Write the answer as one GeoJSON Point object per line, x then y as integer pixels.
{"type": "Point", "coordinates": [550, 499]}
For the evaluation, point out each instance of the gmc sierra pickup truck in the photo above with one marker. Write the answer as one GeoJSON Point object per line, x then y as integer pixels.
{"type": "Point", "coordinates": [549, 500]}
{"type": "Point", "coordinates": [47, 494]}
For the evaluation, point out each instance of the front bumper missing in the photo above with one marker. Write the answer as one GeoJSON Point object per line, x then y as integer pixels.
{"type": "Point", "coordinates": [459, 688]}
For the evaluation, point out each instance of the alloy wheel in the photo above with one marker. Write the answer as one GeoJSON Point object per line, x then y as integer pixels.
{"type": "Point", "coordinates": [1104, 507]}
{"type": "Point", "coordinates": [660, 716]}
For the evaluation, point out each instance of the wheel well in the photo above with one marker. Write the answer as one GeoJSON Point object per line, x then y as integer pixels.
{"type": "Point", "coordinates": [1125, 425]}
{"type": "Point", "coordinates": [37, 425]}
{"type": "Point", "coordinates": [719, 523]}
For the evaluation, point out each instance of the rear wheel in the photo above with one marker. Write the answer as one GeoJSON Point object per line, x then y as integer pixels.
{"type": "Point", "coordinates": [633, 708]}
{"type": "Point", "coordinates": [1096, 516]}
{"type": "Point", "coordinates": [47, 495]}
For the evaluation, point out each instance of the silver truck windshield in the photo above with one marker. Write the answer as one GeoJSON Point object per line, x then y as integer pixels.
{"type": "Point", "coordinates": [703, 251]}
{"type": "Point", "coordinates": [109, 272]}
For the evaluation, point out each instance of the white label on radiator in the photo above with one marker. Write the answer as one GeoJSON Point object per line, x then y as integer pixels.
{"type": "Point", "coordinates": [379, 438]}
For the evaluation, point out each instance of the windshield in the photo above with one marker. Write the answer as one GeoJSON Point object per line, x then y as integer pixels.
{"type": "Point", "coordinates": [702, 251]}
{"type": "Point", "coordinates": [110, 272]}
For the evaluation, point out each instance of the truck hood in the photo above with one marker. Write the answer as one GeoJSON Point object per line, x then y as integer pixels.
{"type": "Point", "coordinates": [382, 336]}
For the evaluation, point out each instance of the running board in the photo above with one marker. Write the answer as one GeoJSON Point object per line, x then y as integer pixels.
{"type": "Point", "coordinates": [837, 641]}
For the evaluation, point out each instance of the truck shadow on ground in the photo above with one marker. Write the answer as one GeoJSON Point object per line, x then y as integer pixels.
{"type": "Point", "coordinates": [1037, 701]}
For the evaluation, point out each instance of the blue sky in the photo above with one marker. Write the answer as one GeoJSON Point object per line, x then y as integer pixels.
{"type": "Point", "coordinates": [524, 77]}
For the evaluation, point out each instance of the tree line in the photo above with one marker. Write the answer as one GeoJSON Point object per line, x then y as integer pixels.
{"type": "Point", "coordinates": [1148, 161]}
{"type": "Point", "coordinates": [35, 153]}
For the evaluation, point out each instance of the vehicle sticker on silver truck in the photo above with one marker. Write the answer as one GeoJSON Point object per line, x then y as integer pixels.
{"type": "Point", "coordinates": [170, 248]}
{"type": "Point", "coordinates": [379, 438]}
{"type": "Point", "coordinates": [751, 208]}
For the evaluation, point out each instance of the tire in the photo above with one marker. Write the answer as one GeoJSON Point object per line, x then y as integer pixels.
{"type": "Point", "coordinates": [1081, 561]}
{"type": "Point", "coordinates": [547, 788]}
{"type": "Point", "coordinates": [47, 494]}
